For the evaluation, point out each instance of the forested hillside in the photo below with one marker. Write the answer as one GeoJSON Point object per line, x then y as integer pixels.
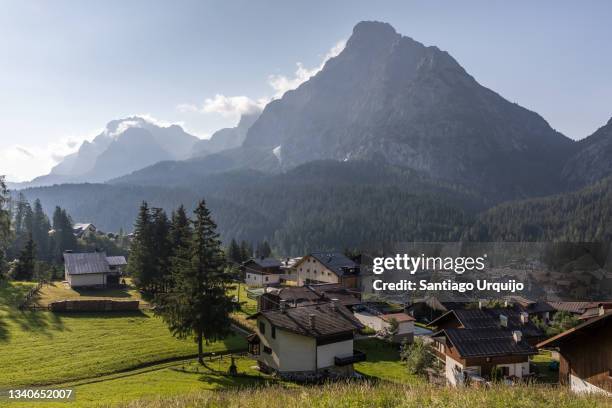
{"type": "Point", "coordinates": [584, 215]}
{"type": "Point", "coordinates": [320, 205]}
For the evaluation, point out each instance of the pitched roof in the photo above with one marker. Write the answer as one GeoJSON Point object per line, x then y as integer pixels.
{"type": "Point", "coordinates": [84, 263]}
{"type": "Point", "coordinates": [265, 262]}
{"type": "Point", "coordinates": [335, 262]}
{"type": "Point", "coordinates": [82, 226]}
{"type": "Point", "coordinates": [490, 318]}
{"type": "Point", "coordinates": [599, 321]}
{"type": "Point", "coordinates": [329, 320]}
{"type": "Point", "coordinates": [320, 293]}
{"type": "Point", "coordinates": [116, 260]}
{"type": "Point", "coordinates": [572, 307]}
{"type": "Point", "coordinates": [486, 342]}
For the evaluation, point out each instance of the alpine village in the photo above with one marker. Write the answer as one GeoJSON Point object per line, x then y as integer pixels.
{"type": "Point", "coordinates": [196, 282]}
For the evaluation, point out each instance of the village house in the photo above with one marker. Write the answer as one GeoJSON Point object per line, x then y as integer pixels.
{"type": "Point", "coordinates": [308, 295]}
{"type": "Point", "coordinates": [585, 351]}
{"type": "Point", "coordinates": [82, 230]}
{"type": "Point", "coordinates": [327, 267]}
{"type": "Point", "coordinates": [534, 308]}
{"type": "Point", "coordinates": [262, 272]}
{"type": "Point", "coordinates": [306, 342]}
{"type": "Point", "coordinates": [92, 269]}
{"type": "Point", "coordinates": [581, 310]}
{"type": "Point", "coordinates": [432, 307]}
{"type": "Point", "coordinates": [381, 322]}
{"type": "Point", "coordinates": [473, 355]}
{"type": "Point", "coordinates": [491, 318]}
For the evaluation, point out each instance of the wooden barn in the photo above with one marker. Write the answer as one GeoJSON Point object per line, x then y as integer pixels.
{"type": "Point", "coordinates": [585, 363]}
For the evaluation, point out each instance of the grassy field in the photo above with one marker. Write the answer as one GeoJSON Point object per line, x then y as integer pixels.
{"type": "Point", "coordinates": [45, 348]}
{"type": "Point", "coordinates": [247, 306]}
{"type": "Point", "coordinates": [59, 291]}
{"type": "Point", "coordinates": [162, 381]}
{"type": "Point", "coordinates": [381, 395]}
{"type": "Point", "coordinates": [383, 362]}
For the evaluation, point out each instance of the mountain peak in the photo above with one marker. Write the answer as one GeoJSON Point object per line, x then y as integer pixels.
{"type": "Point", "coordinates": [373, 33]}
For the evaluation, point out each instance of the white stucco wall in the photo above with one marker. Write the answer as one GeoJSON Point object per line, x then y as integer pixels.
{"type": "Point", "coordinates": [517, 369]}
{"type": "Point", "coordinates": [580, 386]}
{"type": "Point", "coordinates": [89, 279]}
{"type": "Point", "coordinates": [378, 324]}
{"type": "Point", "coordinates": [326, 353]}
{"type": "Point", "coordinates": [452, 377]}
{"type": "Point", "coordinates": [257, 280]}
{"type": "Point", "coordinates": [290, 351]}
{"type": "Point", "coordinates": [312, 269]}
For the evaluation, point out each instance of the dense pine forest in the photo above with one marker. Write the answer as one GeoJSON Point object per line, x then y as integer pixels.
{"type": "Point", "coordinates": [329, 205]}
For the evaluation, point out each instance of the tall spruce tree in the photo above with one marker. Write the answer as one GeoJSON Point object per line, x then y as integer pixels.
{"type": "Point", "coordinates": [63, 238]}
{"type": "Point", "coordinates": [162, 249]}
{"type": "Point", "coordinates": [246, 250]}
{"type": "Point", "coordinates": [40, 231]}
{"type": "Point", "coordinates": [141, 262]}
{"type": "Point", "coordinates": [198, 304]}
{"type": "Point", "coordinates": [234, 254]}
{"type": "Point", "coordinates": [263, 250]}
{"type": "Point", "coordinates": [24, 268]}
{"type": "Point", "coordinates": [5, 225]}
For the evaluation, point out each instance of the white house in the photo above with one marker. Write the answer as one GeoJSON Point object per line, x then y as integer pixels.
{"type": "Point", "coordinates": [382, 322]}
{"type": "Point", "coordinates": [92, 269]}
{"type": "Point", "coordinates": [305, 341]}
{"type": "Point", "coordinates": [327, 267]}
{"type": "Point", "coordinates": [84, 229]}
{"type": "Point", "coordinates": [262, 272]}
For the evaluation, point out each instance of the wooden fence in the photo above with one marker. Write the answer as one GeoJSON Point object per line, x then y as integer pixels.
{"type": "Point", "coordinates": [25, 303]}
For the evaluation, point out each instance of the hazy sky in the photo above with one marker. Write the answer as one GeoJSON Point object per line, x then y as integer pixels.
{"type": "Point", "coordinates": [69, 67]}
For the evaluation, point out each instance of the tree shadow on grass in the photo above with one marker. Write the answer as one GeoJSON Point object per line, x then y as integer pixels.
{"type": "Point", "coordinates": [105, 293]}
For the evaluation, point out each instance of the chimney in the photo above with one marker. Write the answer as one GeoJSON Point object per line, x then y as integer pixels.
{"type": "Point", "coordinates": [311, 321]}
{"type": "Point", "coordinates": [503, 320]}
{"type": "Point", "coordinates": [517, 336]}
{"type": "Point", "coordinates": [506, 303]}
{"type": "Point", "coordinates": [480, 304]}
{"type": "Point", "coordinates": [602, 310]}
{"type": "Point", "coordinates": [524, 318]}
{"type": "Point", "coordinates": [283, 306]}
{"type": "Point", "coordinates": [334, 304]}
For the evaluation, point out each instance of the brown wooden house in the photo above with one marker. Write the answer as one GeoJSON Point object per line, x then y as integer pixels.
{"type": "Point", "coordinates": [585, 363]}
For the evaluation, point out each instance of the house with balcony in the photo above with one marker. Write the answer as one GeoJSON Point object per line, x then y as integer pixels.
{"type": "Point", "coordinates": [306, 342]}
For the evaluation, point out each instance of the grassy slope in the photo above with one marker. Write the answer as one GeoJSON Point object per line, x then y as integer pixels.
{"type": "Point", "coordinates": [387, 395]}
{"type": "Point", "coordinates": [383, 362]}
{"type": "Point", "coordinates": [58, 291]}
{"type": "Point", "coordinates": [43, 348]}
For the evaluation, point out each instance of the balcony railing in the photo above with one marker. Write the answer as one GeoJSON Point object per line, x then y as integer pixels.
{"type": "Point", "coordinates": [355, 358]}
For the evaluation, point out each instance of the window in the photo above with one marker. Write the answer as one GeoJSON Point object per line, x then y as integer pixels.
{"type": "Point", "coordinates": [266, 278]}
{"type": "Point", "coordinates": [262, 327]}
{"type": "Point", "coordinates": [267, 350]}
{"type": "Point", "coordinates": [273, 332]}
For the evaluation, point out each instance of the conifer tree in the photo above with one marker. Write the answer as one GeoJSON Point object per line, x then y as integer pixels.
{"type": "Point", "coordinates": [40, 231]}
{"type": "Point", "coordinates": [24, 268]}
{"type": "Point", "coordinates": [162, 249]}
{"type": "Point", "coordinates": [5, 225]}
{"type": "Point", "coordinates": [246, 251]}
{"type": "Point", "coordinates": [63, 237]}
{"type": "Point", "coordinates": [233, 252]}
{"type": "Point", "coordinates": [141, 259]}
{"type": "Point", "coordinates": [198, 304]}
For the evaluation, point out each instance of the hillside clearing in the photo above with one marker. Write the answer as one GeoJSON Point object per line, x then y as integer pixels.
{"type": "Point", "coordinates": [38, 348]}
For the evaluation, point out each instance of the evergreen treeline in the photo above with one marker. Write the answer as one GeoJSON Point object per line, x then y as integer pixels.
{"type": "Point", "coordinates": [581, 216]}
{"type": "Point", "coordinates": [180, 265]}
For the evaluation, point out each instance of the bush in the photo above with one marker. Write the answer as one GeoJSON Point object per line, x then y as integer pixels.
{"type": "Point", "coordinates": [418, 356]}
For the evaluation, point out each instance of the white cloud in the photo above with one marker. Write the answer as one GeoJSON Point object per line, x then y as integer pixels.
{"type": "Point", "coordinates": [282, 83]}
{"type": "Point", "coordinates": [23, 163]}
{"type": "Point", "coordinates": [227, 106]}
{"type": "Point", "coordinates": [234, 106]}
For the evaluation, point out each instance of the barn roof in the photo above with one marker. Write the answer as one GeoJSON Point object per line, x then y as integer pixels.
{"type": "Point", "coordinates": [265, 262]}
{"type": "Point", "coordinates": [84, 263]}
{"type": "Point", "coordinates": [116, 260]}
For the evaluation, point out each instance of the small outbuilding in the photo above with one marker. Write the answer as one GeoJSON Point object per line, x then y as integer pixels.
{"type": "Point", "coordinates": [92, 269]}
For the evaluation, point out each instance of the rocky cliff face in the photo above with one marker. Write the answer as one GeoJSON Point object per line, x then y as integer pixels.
{"type": "Point", "coordinates": [592, 161]}
{"type": "Point", "coordinates": [390, 98]}
{"type": "Point", "coordinates": [227, 138]}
